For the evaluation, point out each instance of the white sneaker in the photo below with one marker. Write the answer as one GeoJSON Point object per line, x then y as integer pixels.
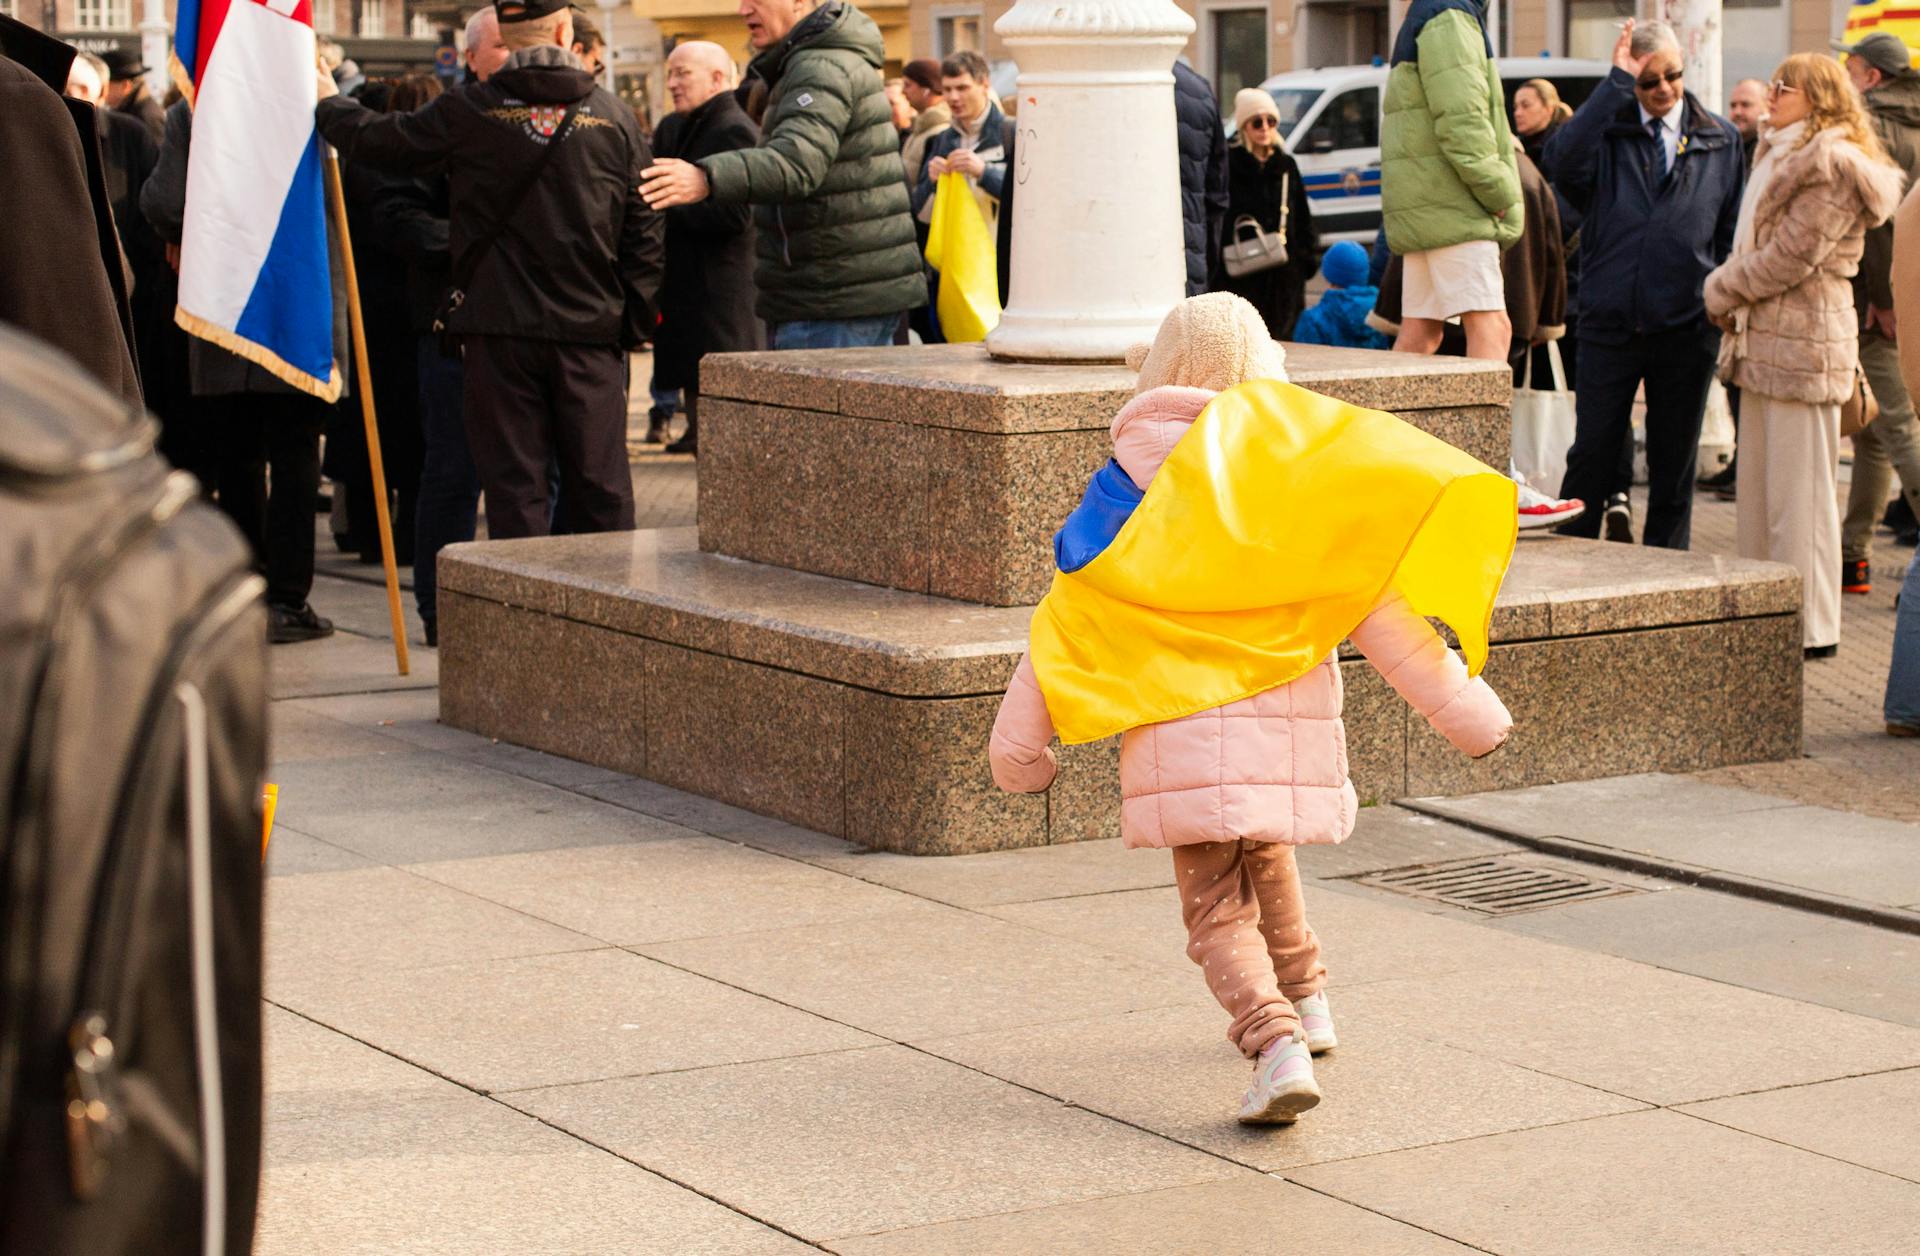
{"type": "Point", "coordinates": [1537, 510]}
{"type": "Point", "coordinates": [1316, 1023]}
{"type": "Point", "coordinates": [1283, 1085]}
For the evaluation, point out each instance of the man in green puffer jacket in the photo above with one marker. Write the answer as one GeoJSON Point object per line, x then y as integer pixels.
{"type": "Point", "coordinates": [1450, 191]}
{"type": "Point", "coordinates": [837, 263]}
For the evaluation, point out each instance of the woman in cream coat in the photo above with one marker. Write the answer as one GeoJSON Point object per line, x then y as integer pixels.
{"type": "Point", "coordinates": [1820, 179]}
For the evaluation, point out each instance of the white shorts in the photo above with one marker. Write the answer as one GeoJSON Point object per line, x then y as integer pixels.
{"type": "Point", "coordinates": [1457, 279]}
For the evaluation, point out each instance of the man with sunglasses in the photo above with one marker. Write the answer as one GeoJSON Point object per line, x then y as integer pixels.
{"type": "Point", "coordinates": [1658, 179]}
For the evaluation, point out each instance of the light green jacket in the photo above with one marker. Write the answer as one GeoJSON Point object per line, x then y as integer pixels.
{"type": "Point", "coordinates": [1446, 156]}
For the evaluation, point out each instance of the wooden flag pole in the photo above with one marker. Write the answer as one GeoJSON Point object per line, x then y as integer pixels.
{"type": "Point", "coordinates": [337, 202]}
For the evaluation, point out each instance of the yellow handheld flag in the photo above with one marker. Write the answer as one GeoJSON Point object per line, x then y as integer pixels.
{"type": "Point", "coordinates": [1273, 528]}
{"type": "Point", "coordinates": [959, 247]}
{"type": "Point", "coordinates": [269, 799]}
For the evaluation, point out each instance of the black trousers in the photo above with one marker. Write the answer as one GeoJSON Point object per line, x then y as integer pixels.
{"type": "Point", "coordinates": [262, 436]}
{"type": "Point", "coordinates": [1676, 367]}
{"type": "Point", "coordinates": [532, 403]}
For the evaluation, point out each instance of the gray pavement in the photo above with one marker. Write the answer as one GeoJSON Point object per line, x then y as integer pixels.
{"type": "Point", "coordinates": [520, 1004]}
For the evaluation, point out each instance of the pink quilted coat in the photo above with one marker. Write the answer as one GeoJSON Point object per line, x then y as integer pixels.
{"type": "Point", "coordinates": [1270, 768]}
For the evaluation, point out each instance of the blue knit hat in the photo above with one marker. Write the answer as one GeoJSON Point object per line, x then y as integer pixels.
{"type": "Point", "coordinates": [1345, 265]}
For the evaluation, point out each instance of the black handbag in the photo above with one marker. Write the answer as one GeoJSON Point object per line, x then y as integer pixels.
{"type": "Point", "coordinates": [456, 295]}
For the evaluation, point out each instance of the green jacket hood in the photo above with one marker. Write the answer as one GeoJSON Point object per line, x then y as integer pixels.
{"type": "Point", "coordinates": [1897, 101]}
{"type": "Point", "coordinates": [833, 27]}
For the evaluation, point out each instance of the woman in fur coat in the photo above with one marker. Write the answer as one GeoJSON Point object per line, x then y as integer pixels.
{"type": "Point", "coordinates": [1783, 299]}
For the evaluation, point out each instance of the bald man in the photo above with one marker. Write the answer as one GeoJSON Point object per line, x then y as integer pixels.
{"type": "Point", "coordinates": [1747, 110]}
{"type": "Point", "coordinates": [707, 297]}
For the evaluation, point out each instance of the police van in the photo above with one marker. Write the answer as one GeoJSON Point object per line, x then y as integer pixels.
{"type": "Point", "coordinates": [1330, 119]}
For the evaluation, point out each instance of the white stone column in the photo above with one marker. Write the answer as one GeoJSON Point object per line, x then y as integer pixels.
{"type": "Point", "coordinates": [1099, 255]}
{"type": "Point", "coordinates": [608, 10]}
{"type": "Point", "coordinates": [1697, 23]}
{"type": "Point", "coordinates": [155, 46]}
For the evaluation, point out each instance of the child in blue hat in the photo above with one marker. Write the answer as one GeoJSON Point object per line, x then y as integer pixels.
{"type": "Point", "coordinates": [1341, 316]}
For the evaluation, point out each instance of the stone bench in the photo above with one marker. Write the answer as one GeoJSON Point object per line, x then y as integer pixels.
{"type": "Point", "coordinates": [863, 711]}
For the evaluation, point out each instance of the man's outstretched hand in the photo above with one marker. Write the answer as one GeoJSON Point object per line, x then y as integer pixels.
{"type": "Point", "coordinates": [669, 182]}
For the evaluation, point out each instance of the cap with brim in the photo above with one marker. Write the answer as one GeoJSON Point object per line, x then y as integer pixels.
{"type": "Point", "coordinates": [510, 11]}
{"type": "Point", "coordinates": [122, 64]}
{"type": "Point", "coordinates": [1884, 52]}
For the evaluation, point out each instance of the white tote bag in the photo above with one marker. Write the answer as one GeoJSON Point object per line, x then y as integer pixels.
{"type": "Point", "coordinates": [1543, 426]}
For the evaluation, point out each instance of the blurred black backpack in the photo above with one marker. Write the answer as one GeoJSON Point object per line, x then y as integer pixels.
{"type": "Point", "coordinates": [133, 737]}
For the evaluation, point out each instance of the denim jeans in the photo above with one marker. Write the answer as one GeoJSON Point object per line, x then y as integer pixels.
{"type": "Point", "coordinates": [835, 333]}
{"type": "Point", "coordinates": [1903, 677]}
{"type": "Point", "coordinates": [449, 485]}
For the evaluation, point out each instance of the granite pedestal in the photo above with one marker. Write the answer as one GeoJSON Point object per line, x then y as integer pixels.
{"type": "Point", "coordinates": [939, 471]}
{"type": "Point", "coordinates": [832, 646]}
{"type": "Point", "coordinates": [863, 711]}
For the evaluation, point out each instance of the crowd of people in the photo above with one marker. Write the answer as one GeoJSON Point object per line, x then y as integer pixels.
{"type": "Point", "coordinates": [1661, 245]}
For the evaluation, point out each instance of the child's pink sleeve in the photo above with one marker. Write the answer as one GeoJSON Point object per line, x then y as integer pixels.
{"type": "Point", "coordinates": [1406, 650]}
{"type": "Point", "coordinates": [1023, 763]}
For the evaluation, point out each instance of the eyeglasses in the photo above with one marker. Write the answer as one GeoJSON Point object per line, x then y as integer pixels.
{"type": "Point", "coordinates": [1261, 124]}
{"type": "Point", "coordinates": [1780, 87]}
{"type": "Point", "coordinates": [1652, 81]}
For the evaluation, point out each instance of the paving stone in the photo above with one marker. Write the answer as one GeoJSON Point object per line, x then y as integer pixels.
{"type": "Point", "coordinates": [345, 663]}
{"type": "Point", "coordinates": [297, 733]}
{"type": "Point", "coordinates": [545, 1020]}
{"type": "Point", "coordinates": [1866, 1121]}
{"type": "Point", "coordinates": [313, 1071]}
{"type": "Point", "coordinates": [1796, 954]}
{"type": "Point", "coordinates": [861, 1141]}
{"type": "Point", "coordinates": [464, 1175]}
{"type": "Point", "coordinates": [1647, 796]}
{"type": "Point", "coordinates": [1364, 937]}
{"type": "Point", "coordinates": [292, 853]}
{"type": "Point", "coordinates": [931, 972]}
{"type": "Point", "coordinates": [376, 920]}
{"type": "Point", "coordinates": [1229, 1216]}
{"type": "Point", "coordinates": [1012, 876]}
{"type": "Point", "coordinates": [1641, 1182]}
{"type": "Point", "coordinates": [1393, 837]}
{"type": "Point", "coordinates": [665, 890]}
{"type": "Point", "coordinates": [1713, 826]}
{"type": "Point", "coordinates": [1172, 1071]}
{"type": "Point", "coordinates": [416, 807]}
{"type": "Point", "coordinates": [1639, 1031]}
{"type": "Point", "coordinates": [358, 604]}
{"type": "Point", "coordinates": [409, 715]}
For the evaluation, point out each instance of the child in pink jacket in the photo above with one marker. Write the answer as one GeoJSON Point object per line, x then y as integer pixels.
{"type": "Point", "coordinates": [1232, 790]}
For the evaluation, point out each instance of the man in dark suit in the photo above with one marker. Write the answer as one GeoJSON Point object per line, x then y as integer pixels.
{"type": "Point", "coordinates": [707, 294]}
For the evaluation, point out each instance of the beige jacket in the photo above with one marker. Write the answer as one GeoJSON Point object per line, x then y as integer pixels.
{"type": "Point", "coordinates": [1906, 284]}
{"type": "Point", "coordinates": [1791, 290]}
{"type": "Point", "coordinates": [928, 123]}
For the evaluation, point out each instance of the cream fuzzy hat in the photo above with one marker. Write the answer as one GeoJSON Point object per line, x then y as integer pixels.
{"type": "Point", "coordinates": [1213, 341]}
{"type": "Point", "coordinates": [1249, 101]}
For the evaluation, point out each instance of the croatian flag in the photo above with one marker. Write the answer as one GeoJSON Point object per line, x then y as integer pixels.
{"type": "Point", "coordinates": [254, 274]}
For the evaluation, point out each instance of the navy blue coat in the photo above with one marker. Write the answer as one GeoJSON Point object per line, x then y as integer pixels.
{"type": "Point", "coordinates": [1645, 251]}
{"type": "Point", "coordinates": [1203, 173]}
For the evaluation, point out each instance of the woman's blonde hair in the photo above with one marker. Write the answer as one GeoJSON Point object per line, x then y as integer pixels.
{"type": "Point", "coordinates": [1549, 96]}
{"type": "Point", "coordinates": [1831, 100]}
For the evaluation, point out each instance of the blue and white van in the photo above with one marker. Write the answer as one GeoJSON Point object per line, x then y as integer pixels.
{"type": "Point", "coordinates": [1330, 119]}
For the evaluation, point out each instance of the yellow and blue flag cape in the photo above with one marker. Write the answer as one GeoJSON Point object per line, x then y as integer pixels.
{"type": "Point", "coordinates": [1274, 527]}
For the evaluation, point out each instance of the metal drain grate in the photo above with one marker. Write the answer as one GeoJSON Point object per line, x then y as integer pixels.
{"type": "Point", "coordinates": [1494, 885]}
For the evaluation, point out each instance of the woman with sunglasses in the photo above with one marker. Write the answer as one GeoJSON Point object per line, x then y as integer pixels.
{"type": "Point", "coordinates": [1261, 177]}
{"type": "Point", "coordinates": [1785, 303]}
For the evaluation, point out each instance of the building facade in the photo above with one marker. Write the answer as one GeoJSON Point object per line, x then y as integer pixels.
{"type": "Point", "coordinates": [383, 36]}
{"type": "Point", "coordinates": [1237, 44]}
